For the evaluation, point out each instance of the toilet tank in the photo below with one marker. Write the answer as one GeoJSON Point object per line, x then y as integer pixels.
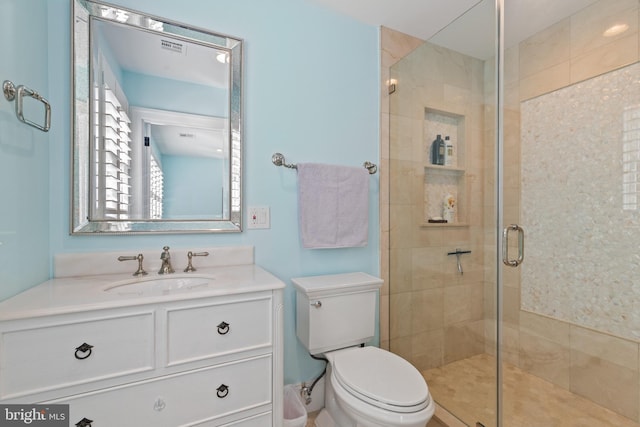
{"type": "Point", "coordinates": [335, 311]}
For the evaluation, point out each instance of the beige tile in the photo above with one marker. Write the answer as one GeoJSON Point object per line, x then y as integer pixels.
{"type": "Point", "coordinates": [605, 58]}
{"type": "Point", "coordinates": [428, 349]}
{"type": "Point", "coordinates": [445, 418]}
{"type": "Point", "coordinates": [401, 185]}
{"type": "Point", "coordinates": [466, 389]}
{"type": "Point", "coordinates": [545, 327]}
{"type": "Point", "coordinates": [402, 347]}
{"type": "Point", "coordinates": [463, 304]}
{"type": "Point", "coordinates": [435, 423]}
{"type": "Point", "coordinates": [545, 359]}
{"type": "Point", "coordinates": [510, 345]}
{"type": "Point", "coordinates": [604, 346]}
{"type": "Point", "coordinates": [402, 234]}
{"type": "Point", "coordinates": [605, 383]}
{"type": "Point", "coordinates": [400, 274]}
{"type": "Point", "coordinates": [396, 45]}
{"type": "Point", "coordinates": [463, 340]}
{"type": "Point", "coordinates": [545, 81]}
{"type": "Point", "coordinates": [427, 237]}
{"type": "Point", "coordinates": [546, 49]}
{"type": "Point", "coordinates": [589, 24]}
{"type": "Point", "coordinates": [427, 310]}
{"type": "Point", "coordinates": [489, 300]}
{"type": "Point", "coordinates": [400, 315]}
{"type": "Point", "coordinates": [384, 148]}
{"type": "Point", "coordinates": [511, 65]}
{"type": "Point", "coordinates": [427, 266]}
{"type": "Point", "coordinates": [511, 304]}
{"type": "Point", "coordinates": [384, 317]}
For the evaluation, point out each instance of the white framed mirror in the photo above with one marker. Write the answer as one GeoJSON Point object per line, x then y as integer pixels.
{"type": "Point", "coordinates": [157, 114]}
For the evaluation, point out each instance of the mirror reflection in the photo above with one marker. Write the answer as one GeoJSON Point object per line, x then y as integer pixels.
{"type": "Point", "coordinates": [157, 142]}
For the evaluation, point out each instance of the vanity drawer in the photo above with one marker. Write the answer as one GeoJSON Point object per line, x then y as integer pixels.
{"type": "Point", "coordinates": [191, 398]}
{"type": "Point", "coordinates": [45, 358]}
{"type": "Point", "coordinates": [195, 333]}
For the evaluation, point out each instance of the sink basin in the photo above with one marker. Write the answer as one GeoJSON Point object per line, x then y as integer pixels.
{"type": "Point", "coordinates": [155, 285]}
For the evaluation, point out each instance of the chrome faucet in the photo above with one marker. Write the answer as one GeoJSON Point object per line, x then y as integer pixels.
{"type": "Point", "coordinates": [166, 268]}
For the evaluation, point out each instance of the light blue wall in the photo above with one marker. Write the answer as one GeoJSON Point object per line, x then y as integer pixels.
{"type": "Point", "coordinates": [188, 182]}
{"type": "Point", "coordinates": [311, 92]}
{"type": "Point", "coordinates": [24, 151]}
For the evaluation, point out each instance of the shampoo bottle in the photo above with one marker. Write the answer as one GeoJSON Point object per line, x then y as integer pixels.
{"type": "Point", "coordinates": [438, 151]}
{"type": "Point", "coordinates": [448, 157]}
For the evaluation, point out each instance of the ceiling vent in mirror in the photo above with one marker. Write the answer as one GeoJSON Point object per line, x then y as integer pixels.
{"type": "Point", "coordinates": [172, 46]}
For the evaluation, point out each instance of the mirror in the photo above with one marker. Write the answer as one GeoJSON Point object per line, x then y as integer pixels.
{"type": "Point", "coordinates": [157, 141]}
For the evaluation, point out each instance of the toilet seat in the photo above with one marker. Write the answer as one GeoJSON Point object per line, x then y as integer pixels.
{"type": "Point", "coordinates": [381, 379]}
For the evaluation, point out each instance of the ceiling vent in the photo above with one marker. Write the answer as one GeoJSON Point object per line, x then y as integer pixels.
{"type": "Point", "coordinates": [172, 46]}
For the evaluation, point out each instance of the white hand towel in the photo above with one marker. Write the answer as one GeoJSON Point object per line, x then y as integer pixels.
{"type": "Point", "coordinates": [333, 204]}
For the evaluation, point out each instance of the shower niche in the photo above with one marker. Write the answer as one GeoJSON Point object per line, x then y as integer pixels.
{"type": "Point", "coordinates": [444, 175]}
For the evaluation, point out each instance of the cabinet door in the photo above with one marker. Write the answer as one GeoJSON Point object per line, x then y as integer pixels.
{"type": "Point", "coordinates": [52, 357]}
{"type": "Point", "coordinates": [189, 398]}
{"type": "Point", "coordinates": [195, 333]}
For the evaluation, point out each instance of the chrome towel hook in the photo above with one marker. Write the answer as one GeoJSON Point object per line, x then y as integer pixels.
{"type": "Point", "coordinates": [11, 93]}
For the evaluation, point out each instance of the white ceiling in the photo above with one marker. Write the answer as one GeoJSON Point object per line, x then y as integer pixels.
{"type": "Point", "coordinates": [473, 32]}
{"type": "Point", "coordinates": [142, 52]}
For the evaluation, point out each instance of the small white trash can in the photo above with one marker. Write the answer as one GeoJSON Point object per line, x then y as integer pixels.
{"type": "Point", "coordinates": [295, 415]}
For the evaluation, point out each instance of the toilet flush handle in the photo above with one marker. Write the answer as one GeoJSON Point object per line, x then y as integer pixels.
{"type": "Point", "coordinates": [316, 304]}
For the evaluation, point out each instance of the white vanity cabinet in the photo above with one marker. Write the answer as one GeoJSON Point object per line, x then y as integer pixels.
{"type": "Point", "coordinates": [211, 359]}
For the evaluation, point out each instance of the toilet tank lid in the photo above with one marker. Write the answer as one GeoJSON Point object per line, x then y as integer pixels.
{"type": "Point", "coordinates": [315, 286]}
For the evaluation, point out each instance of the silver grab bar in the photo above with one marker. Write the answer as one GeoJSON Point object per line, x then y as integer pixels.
{"type": "Point", "coordinates": [505, 246]}
{"type": "Point", "coordinates": [11, 93]}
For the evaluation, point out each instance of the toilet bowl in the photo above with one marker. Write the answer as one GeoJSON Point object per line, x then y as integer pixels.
{"type": "Point", "coordinates": [370, 387]}
{"type": "Point", "coordinates": [364, 386]}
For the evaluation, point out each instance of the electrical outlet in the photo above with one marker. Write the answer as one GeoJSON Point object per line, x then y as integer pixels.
{"type": "Point", "coordinates": [258, 217]}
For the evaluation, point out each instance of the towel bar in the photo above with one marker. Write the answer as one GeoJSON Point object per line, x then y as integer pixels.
{"type": "Point", "coordinates": [11, 93]}
{"type": "Point", "coordinates": [278, 160]}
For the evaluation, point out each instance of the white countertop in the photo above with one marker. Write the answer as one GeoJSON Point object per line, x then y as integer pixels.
{"type": "Point", "coordinates": [84, 293]}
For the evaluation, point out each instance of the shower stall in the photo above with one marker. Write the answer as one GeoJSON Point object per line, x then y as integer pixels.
{"type": "Point", "coordinates": [523, 308]}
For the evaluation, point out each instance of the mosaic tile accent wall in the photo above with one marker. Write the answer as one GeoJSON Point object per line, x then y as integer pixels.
{"type": "Point", "coordinates": [580, 184]}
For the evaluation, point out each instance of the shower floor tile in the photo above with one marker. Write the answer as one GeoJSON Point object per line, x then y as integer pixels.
{"type": "Point", "coordinates": [466, 388]}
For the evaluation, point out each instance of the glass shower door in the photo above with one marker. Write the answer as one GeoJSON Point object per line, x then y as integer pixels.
{"type": "Point", "coordinates": [442, 198]}
{"type": "Point", "coordinates": [571, 149]}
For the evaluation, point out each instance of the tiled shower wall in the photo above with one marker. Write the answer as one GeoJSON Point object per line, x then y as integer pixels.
{"type": "Point", "coordinates": [437, 313]}
{"type": "Point", "coordinates": [426, 295]}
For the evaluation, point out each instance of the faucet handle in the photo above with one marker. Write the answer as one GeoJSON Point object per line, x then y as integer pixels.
{"type": "Point", "coordinates": [139, 257]}
{"type": "Point", "coordinates": [190, 256]}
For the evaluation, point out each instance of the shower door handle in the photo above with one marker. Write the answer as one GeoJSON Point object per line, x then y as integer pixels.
{"type": "Point", "coordinates": [505, 246]}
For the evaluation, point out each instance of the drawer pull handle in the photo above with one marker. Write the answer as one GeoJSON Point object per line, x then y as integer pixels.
{"type": "Point", "coordinates": [84, 348]}
{"type": "Point", "coordinates": [159, 405]}
{"type": "Point", "coordinates": [223, 328]}
{"type": "Point", "coordinates": [222, 391]}
{"type": "Point", "coordinates": [85, 422]}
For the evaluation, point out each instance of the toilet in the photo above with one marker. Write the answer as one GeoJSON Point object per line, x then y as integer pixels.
{"type": "Point", "coordinates": [364, 386]}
